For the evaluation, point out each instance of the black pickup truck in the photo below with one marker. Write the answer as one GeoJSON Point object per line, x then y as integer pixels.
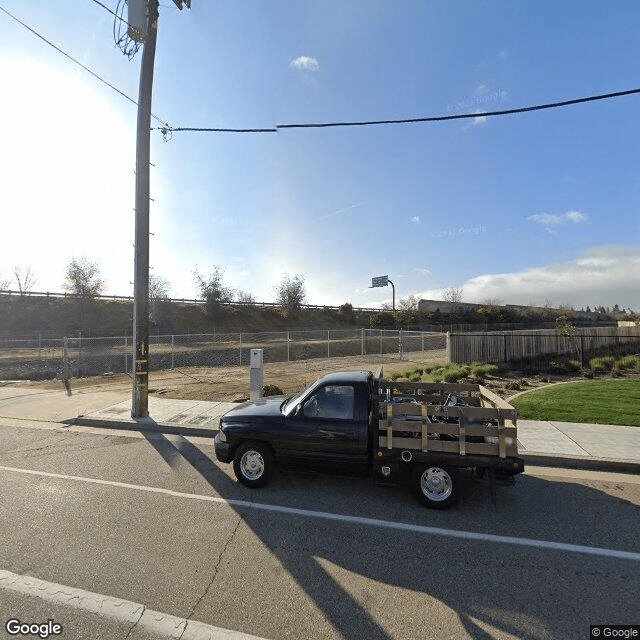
{"type": "Point", "coordinates": [353, 422]}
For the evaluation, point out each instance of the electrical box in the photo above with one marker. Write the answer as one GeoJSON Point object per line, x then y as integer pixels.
{"type": "Point", "coordinates": [137, 20]}
{"type": "Point", "coordinates": [256, 359]}
{"type": "Point", "coordinates": [256, 375]}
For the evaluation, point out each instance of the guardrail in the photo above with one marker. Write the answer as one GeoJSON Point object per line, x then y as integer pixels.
{"type": "Point", "coordinates": [116, 298]}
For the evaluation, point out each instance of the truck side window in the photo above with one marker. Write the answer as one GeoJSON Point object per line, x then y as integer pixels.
{"type": "Point", "coordinates": [331, 401]}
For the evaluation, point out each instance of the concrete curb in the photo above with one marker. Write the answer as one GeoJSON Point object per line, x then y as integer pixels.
{"type": "Point", "coordinates": [587, 464]}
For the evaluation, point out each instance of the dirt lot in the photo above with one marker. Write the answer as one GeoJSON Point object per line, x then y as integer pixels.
{"type": "Point", "coordinates": [231, 384]}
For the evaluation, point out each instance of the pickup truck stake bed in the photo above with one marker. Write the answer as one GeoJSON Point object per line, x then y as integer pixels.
{"type": "Point", "coordinates": [354, 422]}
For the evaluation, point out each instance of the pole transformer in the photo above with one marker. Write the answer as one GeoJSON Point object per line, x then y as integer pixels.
{"type": "Point", "coordinates": [140, 400]}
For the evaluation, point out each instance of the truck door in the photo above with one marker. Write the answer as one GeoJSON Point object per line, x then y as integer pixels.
{"type": "Point", "coordinates": [330, 427]}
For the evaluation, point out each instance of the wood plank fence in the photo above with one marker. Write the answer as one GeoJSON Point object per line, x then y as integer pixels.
{"type": "Point", "coordinates": [516, 346]}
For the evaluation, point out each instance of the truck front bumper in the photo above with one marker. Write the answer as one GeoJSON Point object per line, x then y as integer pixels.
{"type": "Point", "coordinates": [223, 450]}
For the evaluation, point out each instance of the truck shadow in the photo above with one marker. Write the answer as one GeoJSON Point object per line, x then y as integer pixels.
{"type": "Point", "coordinates": [484, 589]}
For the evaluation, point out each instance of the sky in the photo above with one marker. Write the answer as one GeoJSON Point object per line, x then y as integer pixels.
{"type": "Point", "coordinates": [532, 208]}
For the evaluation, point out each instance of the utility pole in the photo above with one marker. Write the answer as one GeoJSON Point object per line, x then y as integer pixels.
{"type": "Point", "coordinates": [140, 394]}
{"type": "Point", "coordinates": [140, 401]}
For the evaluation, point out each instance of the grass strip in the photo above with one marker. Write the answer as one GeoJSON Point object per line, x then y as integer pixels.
{"type": "Point", "coordinates": [592, 401]}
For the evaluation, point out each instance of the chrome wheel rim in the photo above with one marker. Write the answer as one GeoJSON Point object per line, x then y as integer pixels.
{"type": "Point", "coordinates": [436, 484]}
{"type": "Point", "coordinates": [252, 465]}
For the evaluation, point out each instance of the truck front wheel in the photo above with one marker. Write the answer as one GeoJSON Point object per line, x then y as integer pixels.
{"type": "Point", "coordinates": [436, 485]}
{"type": "Point", "coordinates": [253, 464]}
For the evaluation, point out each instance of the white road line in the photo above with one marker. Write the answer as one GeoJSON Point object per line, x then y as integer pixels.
{"type": "Point", "coordinates": [125, 611]}
{"type": "Point", "coordinates": [371, 522]}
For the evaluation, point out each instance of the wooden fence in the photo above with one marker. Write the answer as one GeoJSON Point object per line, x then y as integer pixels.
{"type": "Point", "coordinates": [516, 346]}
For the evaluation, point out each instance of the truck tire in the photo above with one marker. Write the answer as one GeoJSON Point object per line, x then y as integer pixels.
{"type": "Point", "coordinates": [436, 485]}
{"type": "Point", "coordinates": [253, 464]}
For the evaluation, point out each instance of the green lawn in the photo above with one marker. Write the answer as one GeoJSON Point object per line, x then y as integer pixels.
{"type": "Point", "coordinates": [598, 401]}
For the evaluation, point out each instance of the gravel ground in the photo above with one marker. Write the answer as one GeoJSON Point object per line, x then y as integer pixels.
{"type": "Point", "coordinates": [228, 384]}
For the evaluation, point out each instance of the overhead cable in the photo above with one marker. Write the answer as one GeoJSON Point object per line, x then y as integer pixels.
{"type": "Point", "coordinates": [64, 53]}
{"type": "Point", "coordinates": [459, 116]}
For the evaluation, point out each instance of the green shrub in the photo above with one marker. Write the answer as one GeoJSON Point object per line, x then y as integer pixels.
{"type": "Point", "coordinates": [628, 362]}
{"type": "Point", "coordinates": [482, 369]}
{"type": "Point", "coordinates": [272, 390]}
{"type": "Point", "coordinates": [596, 364]}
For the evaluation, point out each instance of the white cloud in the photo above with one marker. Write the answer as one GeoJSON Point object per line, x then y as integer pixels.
{"type": "Point", "coordinates": [475, 122]}
{"type": "Point", "coordinates": [416, 220]}
{"type": "Point", "coordinates": [551, 222]}
{"type": "Point", "coordinates": [305, 63]}
{"type": "Point", "coordinates": [602, 275]}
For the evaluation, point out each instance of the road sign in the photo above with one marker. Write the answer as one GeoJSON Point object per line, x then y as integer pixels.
{"type": "Point", "coordinates": [380, 281]}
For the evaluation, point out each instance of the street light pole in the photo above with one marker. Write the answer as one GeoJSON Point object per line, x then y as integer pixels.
{"type": "Point", "coordinates": [393, 288]}
{"type": "Point", "coordinates": [140, 399]}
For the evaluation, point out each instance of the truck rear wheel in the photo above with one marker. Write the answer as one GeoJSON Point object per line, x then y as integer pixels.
{"type": "Point", "coordinates": [253, 464]}
{"type": "Point", "coordinates": [436, 485]}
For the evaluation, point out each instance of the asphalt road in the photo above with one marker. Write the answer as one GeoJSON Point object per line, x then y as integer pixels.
{"type": "Point", "coordinates": [99, 519]}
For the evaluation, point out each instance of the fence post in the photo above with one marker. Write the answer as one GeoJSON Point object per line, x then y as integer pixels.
{"type": "Point", "coordinates": [400, 344]}
{"type": "Point", "coordinates": [328, 342]}
{"type": "Point", "coordinates": [126, 369]}
{"type": "Point", "coordinates": [240, 348]}
{"type": "Point", "coordinates": [79, 364]}
{"type": "Point", "coordinates": [172, 352]}
{"type": "Point", "coordinates": [448, 334]}
{"type": "Point", "coordinates": [65, 358]}
{"type": "Point", "coordinates": [362, 343]}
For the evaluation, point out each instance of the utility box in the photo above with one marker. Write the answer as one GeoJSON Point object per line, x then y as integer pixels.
{"type": "Point", "coordinates": [137, 29]}
{"type": "Point", "coordinates": [256, 375]}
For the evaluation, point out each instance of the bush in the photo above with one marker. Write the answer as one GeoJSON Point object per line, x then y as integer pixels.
{"type": "Point", "coordinates": [481, 370]}
{"type": "Point", "coordinates": [272, 390]}
{"type": "Point", "coordinates": [628, 362]}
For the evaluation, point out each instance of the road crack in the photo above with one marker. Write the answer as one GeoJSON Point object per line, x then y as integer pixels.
{"type": "Point", "coordinates": [196, 604]}
{"type": "Point", "coordinates": [135, 624]}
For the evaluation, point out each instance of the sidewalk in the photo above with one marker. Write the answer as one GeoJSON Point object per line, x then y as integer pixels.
{"type": "Point", "coordinates": [540, 443]}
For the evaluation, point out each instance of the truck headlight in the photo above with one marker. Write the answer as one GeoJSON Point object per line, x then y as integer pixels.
{"type": "Point", "coordinates": [221, 436]}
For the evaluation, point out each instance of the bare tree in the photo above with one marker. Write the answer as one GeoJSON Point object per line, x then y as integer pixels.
{"type": "Point", "coordinates": [83, 278]}
{"type": "Point", "coordinates": [211, 287]}
{"type": "Point", "coordinates": [159, 288]}
{"type": "Point", "coordinates": [25, 279]}
{"type": "Point", "coordinates": [410, 303]}
{"type": "Point", "coordinates": [452, 294]}
{"type": "Point", "coordinates": [290, 292]}
{"type": "Point", "coordinates": [247, 298]}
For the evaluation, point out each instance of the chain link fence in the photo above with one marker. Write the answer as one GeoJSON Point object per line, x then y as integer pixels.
{"type": "Point", "coordinates": [76, 357]}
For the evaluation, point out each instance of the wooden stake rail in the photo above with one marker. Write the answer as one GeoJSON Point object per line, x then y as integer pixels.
{"type": "Point", "coordinates": [426, 402]}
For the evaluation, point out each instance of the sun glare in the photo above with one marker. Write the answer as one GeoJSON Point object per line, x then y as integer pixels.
{"type": "Point", "coordinates": [68, 166]}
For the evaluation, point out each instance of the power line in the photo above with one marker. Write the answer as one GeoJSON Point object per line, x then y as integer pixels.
{"type": "Point", "coordinates": [64, 53]}
{"type": "Point", "coordinates": [460, 116]}
{"type": "Point", "coordinates": [111, 11]}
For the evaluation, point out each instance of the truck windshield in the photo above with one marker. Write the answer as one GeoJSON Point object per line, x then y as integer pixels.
{"type": "Point", "coordinates": [288, 406]}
